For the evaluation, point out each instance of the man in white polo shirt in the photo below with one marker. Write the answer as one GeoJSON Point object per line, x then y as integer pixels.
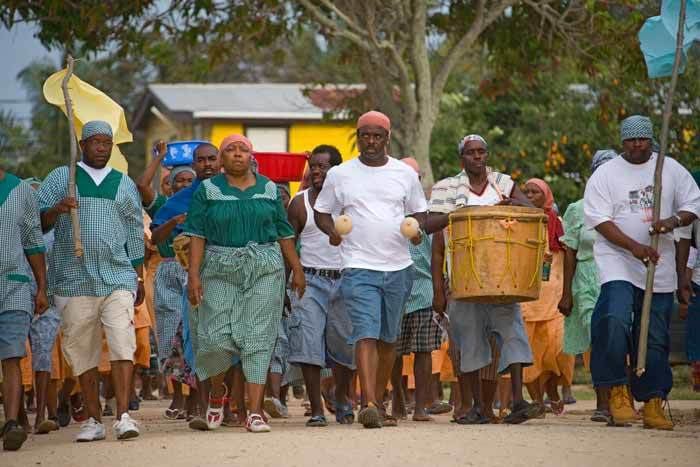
{"type": "Point", "coordinates": [377, 192]}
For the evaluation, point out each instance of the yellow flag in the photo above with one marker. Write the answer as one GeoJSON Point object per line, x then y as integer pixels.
{"type": "Point", "coordinates": [89, 103]}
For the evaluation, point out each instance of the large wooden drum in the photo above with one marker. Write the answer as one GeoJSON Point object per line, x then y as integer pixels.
{"type": "Point", "coordinates": [496, 253]}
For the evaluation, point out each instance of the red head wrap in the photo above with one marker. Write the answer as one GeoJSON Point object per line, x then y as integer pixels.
{"type": "Point", "coordinates": [554, 228]}
{"type": "Point", "coordinates": [374, 118]}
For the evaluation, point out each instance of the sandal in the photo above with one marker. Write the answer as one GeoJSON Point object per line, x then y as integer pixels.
{"type": "Point", "coordinates": [172, 414]}
{"type": "Point", "coordinates": [390, 421]}
{"type": "Point", "coordinates": [46, 427]}
{"type": "Point", "coordinates": [215, 415]}
{"type": "Point", "coordinates": [421, 418]}
{"type": "Point", "coordinates": [370, 416]}
{"type": "Point", "coordinates": [439, 408]}
{"type": "Point", "coordinates": [79, 414]}
{"type": "Point", "coordinates": [256, 424]}
{"type": "Point", "coordinates": [344, 414]}
{"type": "Point", "coordinates": [317, 420]}
{"type": "Point", "coordinates": [557, 407]}
{"type": "Point", "coordinates": [63, 413]}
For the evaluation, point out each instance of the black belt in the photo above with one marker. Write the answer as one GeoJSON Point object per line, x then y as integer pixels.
{"type": "Point", "coordinates": [329, 273]}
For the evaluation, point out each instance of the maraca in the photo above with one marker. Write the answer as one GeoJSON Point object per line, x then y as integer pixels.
{"type": "Point", "coordinates": [343, 224]}
{"type": "Point", "coordinates": [410, 228]}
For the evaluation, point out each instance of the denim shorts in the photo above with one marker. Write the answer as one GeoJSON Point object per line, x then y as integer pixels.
{"type": "Point", "coordinates": [375, 302]}
{"type": "Point", "coordinates": [14, 331]}
{"type": "Point", "coordinates": [42, 336]}
{"type": "Point", "coordinates": [319, 327]}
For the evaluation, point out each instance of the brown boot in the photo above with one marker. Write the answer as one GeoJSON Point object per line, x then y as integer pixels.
{"type": "Point", "coordinates": [621, 409]}
{"type": "Point", "coordinates": [654, 416]}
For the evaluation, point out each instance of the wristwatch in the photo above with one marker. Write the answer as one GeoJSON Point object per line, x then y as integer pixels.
{"type": "Point", "coordinates": [140, 280]}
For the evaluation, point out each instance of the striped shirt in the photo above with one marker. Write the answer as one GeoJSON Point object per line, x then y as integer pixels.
{"type": "Point", "coordinates": [111, 229]}
{"type": "Point", "coordinates": [422, 292]}
{"type": "Point", "coordinates": [453, 192]}
{"type": "Point", "coordinates": [20, 236]}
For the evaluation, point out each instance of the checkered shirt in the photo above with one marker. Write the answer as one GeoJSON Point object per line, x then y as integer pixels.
{"type": "Point", "coordinates": [20, 236]}
{"type": "Point", "coordinates": [422, 290]}
{"type": "Point", "coordinates": [112, 234]}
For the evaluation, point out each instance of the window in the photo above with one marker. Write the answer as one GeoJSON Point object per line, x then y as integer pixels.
{"type": "Point", "coordinates": [268, 139]}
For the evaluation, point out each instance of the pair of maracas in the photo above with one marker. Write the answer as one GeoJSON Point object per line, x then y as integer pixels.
{"type": "Point", "coordinates": [409, 226]}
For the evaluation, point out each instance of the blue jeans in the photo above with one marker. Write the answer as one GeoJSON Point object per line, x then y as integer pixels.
{"type": "Point", "coordinates": [615, 335]}
{"type": "Point", "coordinates": [692, 336]}
{"type": "Point", "coordinates": [375, 302]}
{"type": "Point", "coordinates": [319, 326]}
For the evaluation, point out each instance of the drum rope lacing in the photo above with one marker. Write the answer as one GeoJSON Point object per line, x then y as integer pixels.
{"type": "Point", "coordinates": [469, 241]}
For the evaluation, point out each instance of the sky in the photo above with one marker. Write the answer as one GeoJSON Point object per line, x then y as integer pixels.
{"type": "Point", "coordinates": [18, 48]}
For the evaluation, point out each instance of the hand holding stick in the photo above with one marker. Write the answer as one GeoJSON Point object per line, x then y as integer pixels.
{"type": "Point", "coordinates": [75, 220]}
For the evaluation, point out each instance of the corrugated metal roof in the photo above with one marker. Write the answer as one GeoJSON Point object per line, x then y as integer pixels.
{"type": "Point", "coordinates": [241, 100]}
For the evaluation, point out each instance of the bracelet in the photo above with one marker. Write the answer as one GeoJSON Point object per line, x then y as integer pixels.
{"type": "Point", "coordinates": [679, 220]}
{"type": "Point", "coordinates": [139, 279]}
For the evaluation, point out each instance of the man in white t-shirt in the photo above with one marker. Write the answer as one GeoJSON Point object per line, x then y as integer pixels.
{"type": "Point", "coordinates": [618, 203]}
{"type": "Point", "coordinates": [377, 192]}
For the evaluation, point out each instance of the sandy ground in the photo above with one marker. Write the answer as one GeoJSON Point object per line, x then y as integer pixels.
{"type": "Point", "coordinates": [568, 440]}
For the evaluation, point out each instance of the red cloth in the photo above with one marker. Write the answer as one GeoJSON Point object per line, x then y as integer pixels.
{"type": "Point", "coordinates": [555, 229]}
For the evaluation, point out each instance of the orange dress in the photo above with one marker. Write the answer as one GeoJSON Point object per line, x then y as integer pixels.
{"type": "Point", "coordinates": [545, 329]}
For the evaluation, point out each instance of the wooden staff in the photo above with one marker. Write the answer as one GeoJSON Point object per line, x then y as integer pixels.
{"type": "Point", "coordinates": [651, 268]}
{"type": "Point", "coordinates": [75, 220]}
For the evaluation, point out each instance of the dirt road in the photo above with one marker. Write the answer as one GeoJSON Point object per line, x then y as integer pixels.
{"type": "Point", "coordinates": [569, 440]}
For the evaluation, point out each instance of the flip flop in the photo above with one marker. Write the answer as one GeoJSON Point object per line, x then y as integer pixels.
{"type": "Point", "coordinates": [317, 421]}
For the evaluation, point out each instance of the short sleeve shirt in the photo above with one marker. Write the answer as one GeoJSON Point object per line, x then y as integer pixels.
{"type": "Point", "coordinates": [377, 199]}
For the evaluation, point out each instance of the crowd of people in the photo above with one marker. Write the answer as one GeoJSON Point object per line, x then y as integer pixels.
{"type": "Point", "coordinates": [223, 292]}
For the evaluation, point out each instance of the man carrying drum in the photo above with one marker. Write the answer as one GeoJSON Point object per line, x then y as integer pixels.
{"type": "Point", "coordinates": [471, 324]}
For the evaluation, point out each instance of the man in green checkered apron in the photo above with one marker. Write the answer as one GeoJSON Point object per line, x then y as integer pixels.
{"type": "Point", "coordinates": [96, 293]}
{"type": "Point", "coordinates": [21, 255]}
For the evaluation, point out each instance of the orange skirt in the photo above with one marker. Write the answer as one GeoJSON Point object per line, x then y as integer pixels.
{"type": "Point", "coordinates": [548, 357]}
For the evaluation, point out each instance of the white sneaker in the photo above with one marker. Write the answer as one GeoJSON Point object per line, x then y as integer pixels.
{"type": "Point", "coordinates": [90, 430]}
{"type": "Point", "coordinates": [126, 427]}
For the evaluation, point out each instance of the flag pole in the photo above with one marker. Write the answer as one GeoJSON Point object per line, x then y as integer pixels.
{"type": "Point", "coordinates": [75, 219]}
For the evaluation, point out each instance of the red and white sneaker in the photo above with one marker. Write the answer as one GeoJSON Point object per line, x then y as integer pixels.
{"type": "Point", "coordinates": [215, 415]}
{"type": "Point", "coordinates": [256, 424]}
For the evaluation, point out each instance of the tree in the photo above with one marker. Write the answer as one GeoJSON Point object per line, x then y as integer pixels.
{"type": "Point", "coordinates": [14, 140]}
{"type": "Point", "coordinates": [407, 50]}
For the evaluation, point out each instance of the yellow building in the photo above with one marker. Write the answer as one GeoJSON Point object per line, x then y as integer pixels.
{"type": "Point", "coordinates": [275, 117]}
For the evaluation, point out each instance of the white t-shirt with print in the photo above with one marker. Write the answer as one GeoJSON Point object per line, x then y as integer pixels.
{"type": "Point", "coordinates": [377, 199]}
{"type": "Point", "coordinates": [622, 192]}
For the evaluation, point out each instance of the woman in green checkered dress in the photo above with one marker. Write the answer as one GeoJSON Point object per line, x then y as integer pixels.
{"type": "Point", "coordinates": [240, 240]}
